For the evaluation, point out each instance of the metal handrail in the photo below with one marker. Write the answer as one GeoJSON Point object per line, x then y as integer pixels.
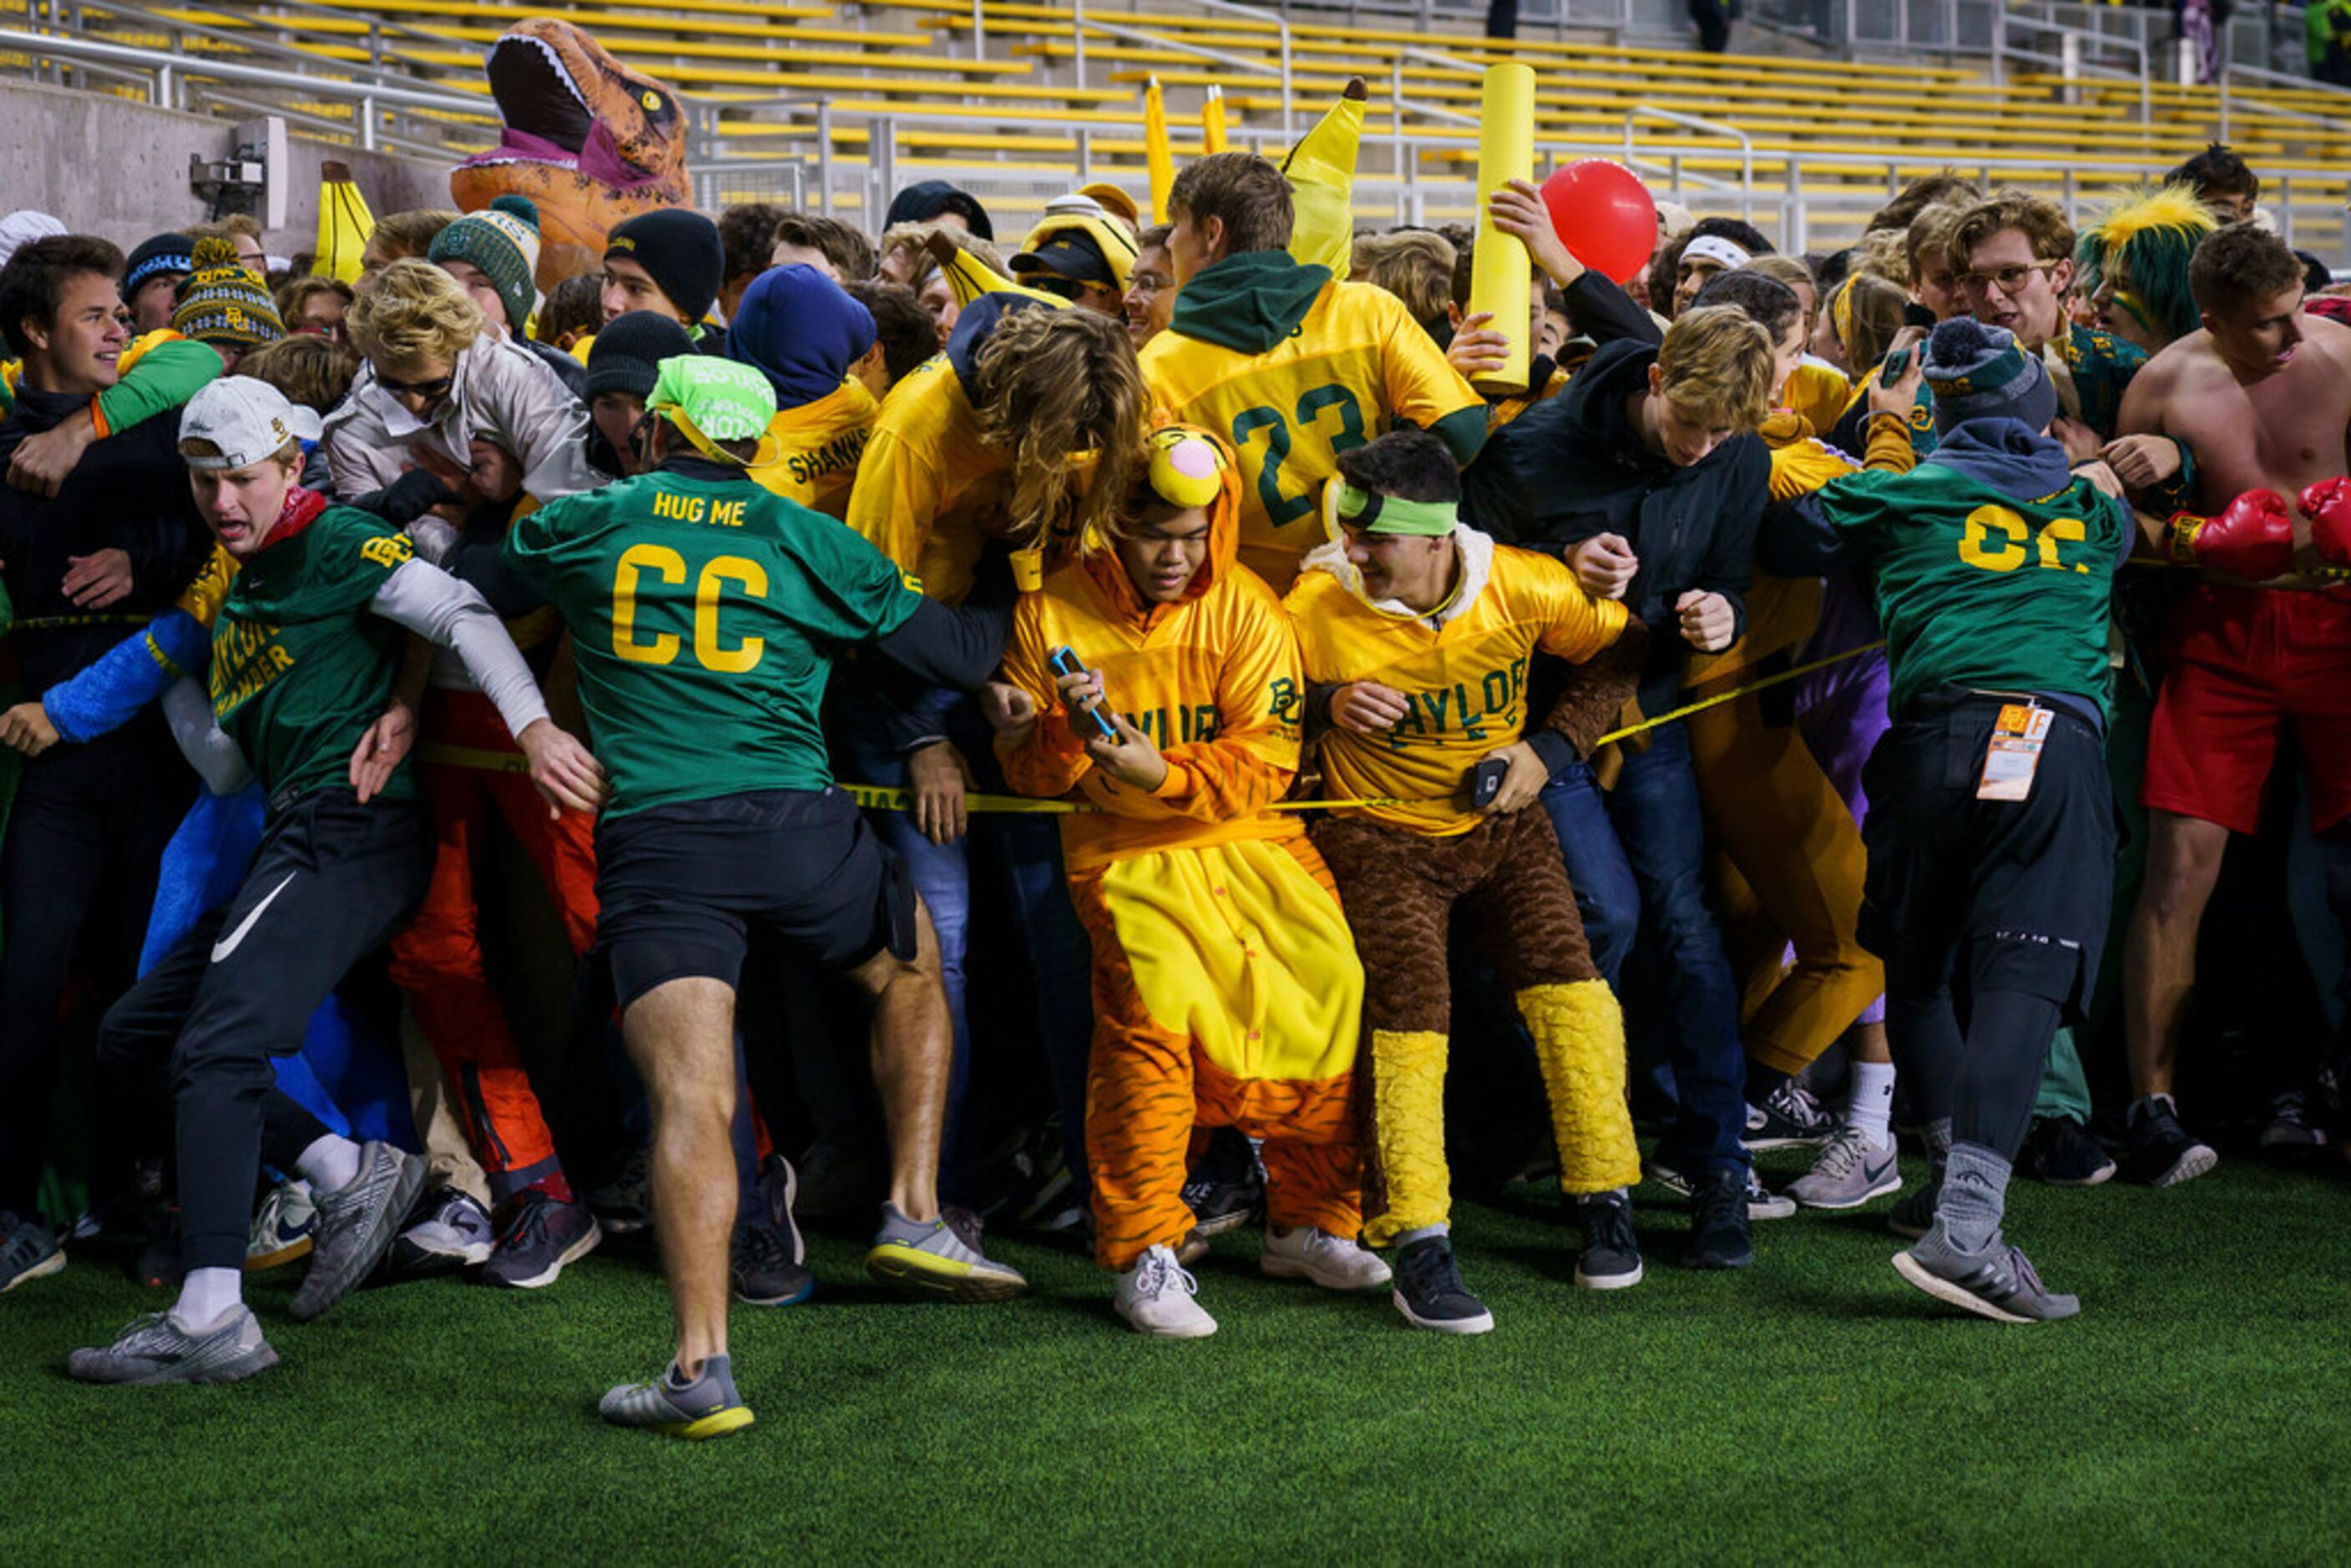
{"type": "Point", "coordinates": [1712, 128]}
{"type": "Point", "coordinates": [2231, 69]}
{"type": "Point", "coordinates": [1080, 24]}
{"type": "Point", "coordinates": [61, 11]}
{"type": "Point", "coordinates": [168, 73]}
{"type": "Point", "coordinates": [2002, 49]}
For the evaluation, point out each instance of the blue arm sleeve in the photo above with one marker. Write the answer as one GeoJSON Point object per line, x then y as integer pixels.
{"type": "Point", "coordinates": [132, 674]}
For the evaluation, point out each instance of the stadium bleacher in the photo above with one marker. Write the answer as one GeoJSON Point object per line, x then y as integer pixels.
{"type": "Point", "coordinates": [1007, 97]}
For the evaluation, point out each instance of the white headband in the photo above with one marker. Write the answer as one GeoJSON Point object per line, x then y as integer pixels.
{"type": "Point", "coordinates": [1714, 247]}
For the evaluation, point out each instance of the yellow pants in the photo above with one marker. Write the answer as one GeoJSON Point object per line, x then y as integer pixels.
{"type": "Point", "coordinates": [1227, 992]}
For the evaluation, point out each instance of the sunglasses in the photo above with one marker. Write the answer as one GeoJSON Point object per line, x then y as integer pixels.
{"type": "Point", "coordinates": [438, 387]}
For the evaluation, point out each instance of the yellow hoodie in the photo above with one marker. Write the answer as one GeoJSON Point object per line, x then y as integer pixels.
{"type": "Point", "coordinates": [813, 457]}
{"type": "Point", "coordinates": [928, 489]}
{"type": "Point", "coordinates": [1213, 680]}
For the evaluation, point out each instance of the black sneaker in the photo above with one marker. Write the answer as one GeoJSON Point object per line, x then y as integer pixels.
{"type": "Point", "coordinates": [2161, 1154]}
{"type": "Point", "coordinates": [1227, 1190]}
{"type": "Point", "coordinates": [1789, 1117]}
{"type": "Point", "coordinates": [625, 1204]}
{"type": "Point", "coordinates": [1722, 1235]}
{"type": "Point", "coordinates": [2060, 1152]}
{"type": "Point", "coordinates": [1913, 1214]}
{"type": "Point", "coordinates": [2289, 1129]}
{"type": "Point", "coordinates": [770, 1259]}
{"type": "Point", "coordinates": [537, 1237]}
{"type": "Point", "coordinates": [1611, 1259]}
{"type": "Point", "coordinates": [28, 1250]}
{"type": "Point", "coordinates": [1429, 1291]}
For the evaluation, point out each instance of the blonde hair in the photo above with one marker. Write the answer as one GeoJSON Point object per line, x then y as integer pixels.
{"type": "Point", "coordinates": [1050, 385]}
{"type": "Point", "coordinates": [1413, 264]}
{"type": "Point", "coordinates": [1719, 361]}
{"type": "Point", "coordinates": [412, 310]}
{"type": "Point", "coordinates": [1885, 253]}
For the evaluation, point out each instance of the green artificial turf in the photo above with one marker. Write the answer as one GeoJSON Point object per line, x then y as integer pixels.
{"type": "Point", "coordinates": [1813, 1408]}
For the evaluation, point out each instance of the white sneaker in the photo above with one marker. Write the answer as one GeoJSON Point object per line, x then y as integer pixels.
{"type": "Point", "coordinates": [1155, 1296]}
{"type": "Point", "coordinates": [284, 1228]}
{"type": "Point", "coordinates": [1331, 1261]}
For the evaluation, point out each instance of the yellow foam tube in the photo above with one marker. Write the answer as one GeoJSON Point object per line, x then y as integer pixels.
{"type": "Point", "coordinates": [968, 277]}
{"type": "Point", "coordinates": [1157, 156]}
{"type": "Point", "coordinates": [1500, 267]}
{"type": "Point", "coordinates": [1212, 120]}
{"type": "Point", "coordinates": [344, 225]}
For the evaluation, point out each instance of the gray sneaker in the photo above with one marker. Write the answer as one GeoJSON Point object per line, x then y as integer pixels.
{"type": "Point", "coordinates": [930, 1257]}
{"type": "Point", "coordinates": [1913, 1214]}
{"type": "Point", "coordinates": [706, 1407]}
{"type": "Point", "coordinates": [157, 1348]}
{"type": "Point", "coordinates": [1850, 1172]}
{"type": "Point", "coordinates": [1997, 1283]}
{"type": "Point", "coordinates": [357, 1222]}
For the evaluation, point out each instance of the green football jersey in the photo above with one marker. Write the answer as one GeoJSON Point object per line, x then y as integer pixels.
{"type": "Point", "coordinates": [705, 618]}
{"type": "Point", "coordinates": [300, 668]}
{"type": "Point", "coordinates": [1976, 588]}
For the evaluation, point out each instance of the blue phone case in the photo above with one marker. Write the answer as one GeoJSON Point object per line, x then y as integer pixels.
{"type": "Point", "coordinates": [1064, 661]}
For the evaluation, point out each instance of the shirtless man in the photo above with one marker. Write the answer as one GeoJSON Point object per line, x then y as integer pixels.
{"type": "Point", "coordinates": [2261, 396]}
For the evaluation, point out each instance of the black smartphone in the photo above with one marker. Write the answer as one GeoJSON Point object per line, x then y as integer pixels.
{"type": "Point", "coordinates": [1916, 315]}
{"type": "Point", "coordinates": [1486, 781]}
{"type": "Point", "coordinates": [1064, 661]}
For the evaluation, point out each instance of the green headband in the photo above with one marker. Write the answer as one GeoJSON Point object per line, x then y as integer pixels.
{"type": "Point", "coordinates": [1379, 514]}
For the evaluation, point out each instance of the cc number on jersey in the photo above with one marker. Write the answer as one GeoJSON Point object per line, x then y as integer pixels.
{"type": "Point", "coordinates": [666, 566]}
{"type": "Point", "coordinates": [1995, 540]}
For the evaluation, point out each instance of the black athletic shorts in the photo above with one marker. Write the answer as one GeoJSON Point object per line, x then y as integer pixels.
{"type": "Point", "coordinates": [1999, 894]}
{"type": "Point", "coordinates": [679, 886]}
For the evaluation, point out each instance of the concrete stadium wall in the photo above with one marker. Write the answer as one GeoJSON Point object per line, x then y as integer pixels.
{"type": "Point", "coordinates": [111, 167]}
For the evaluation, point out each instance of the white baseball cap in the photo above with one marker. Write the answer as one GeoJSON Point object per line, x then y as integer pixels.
{"type": "Point", "coordinates": [245, 420]}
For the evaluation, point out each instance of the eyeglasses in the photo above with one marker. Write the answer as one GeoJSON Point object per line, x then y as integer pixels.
{"type": "Point", "coordinates": [2009, 280]}
{"type": "Point", "coordinates": [1077, 291]}
{"type": "Point", "coordinates": [438, 387]}
{"type": "Point", "coordinates": [1148, 283]}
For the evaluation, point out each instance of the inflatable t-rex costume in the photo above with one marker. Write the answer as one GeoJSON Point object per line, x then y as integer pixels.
{"type": "Point", "coordinates": [589, 140]}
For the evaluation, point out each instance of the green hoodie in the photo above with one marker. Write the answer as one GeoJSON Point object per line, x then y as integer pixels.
{"type": "Point", "coordinates": [1249, 302]}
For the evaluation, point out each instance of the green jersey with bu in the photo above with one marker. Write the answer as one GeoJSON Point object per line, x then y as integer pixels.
{"type": "Point", "coordinates": [1980, 590]}
{"type": "Point", "coordinates": [300, 667]}
{"type": "Point", "coordinates": [705, 616]}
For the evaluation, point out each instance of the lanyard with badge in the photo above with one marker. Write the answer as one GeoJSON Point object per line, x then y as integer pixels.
{"type": "Point", "coordinates": [2014, 754]}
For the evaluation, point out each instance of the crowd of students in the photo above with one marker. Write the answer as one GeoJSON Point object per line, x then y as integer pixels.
{"type": "Point", "coordinates": [1290, 772]}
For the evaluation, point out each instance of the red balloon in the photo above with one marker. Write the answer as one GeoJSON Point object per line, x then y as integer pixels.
{"type": "Point", "coordinates": [1604, 215]}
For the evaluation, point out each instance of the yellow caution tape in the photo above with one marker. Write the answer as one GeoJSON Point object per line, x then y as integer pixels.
{"type": "Point", "coordinates": [874, 798]}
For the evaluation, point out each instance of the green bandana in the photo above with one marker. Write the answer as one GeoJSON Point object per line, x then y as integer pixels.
{"type": "Point", "coordinates": [1378, 514]}
{"type": "Point", "coordinates": [713, 399]}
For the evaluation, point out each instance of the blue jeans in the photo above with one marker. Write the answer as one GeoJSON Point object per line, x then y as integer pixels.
{"type": "Point", "coordinates": [1025, 855]}
{"type": "Point", "coordinates": [1636, 855]}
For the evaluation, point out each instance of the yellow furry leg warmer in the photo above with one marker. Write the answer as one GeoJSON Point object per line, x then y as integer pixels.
{"type": "Point", "coordinates": [1408, 1131]}
{"type": "Point", "coordinates": [1580, 1042]}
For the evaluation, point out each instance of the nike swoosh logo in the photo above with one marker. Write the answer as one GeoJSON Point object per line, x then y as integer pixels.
{"type": "Point", "coordinates": [222, 949]}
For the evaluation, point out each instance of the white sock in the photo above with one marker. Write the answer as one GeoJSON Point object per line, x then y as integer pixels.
{"type": "Point", "coordinates": [206, 1295]}
{"type": "Point", "coordinates": [1869, 1102]}
{"type": "Point", "coordinates": [329, 1162]}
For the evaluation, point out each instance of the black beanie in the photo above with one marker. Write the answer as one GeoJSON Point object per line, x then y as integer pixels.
{"type": "Point", "coordinates": [160, 257]}
{"type": "Point", "coordinates": [919, 204]}
{"type": "Point", "coordinates": [627, 354]}
{"type": "Point", "coordinates": [680, 250]}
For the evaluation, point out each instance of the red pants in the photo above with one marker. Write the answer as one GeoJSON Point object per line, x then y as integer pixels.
{"type": "Point", "coordinates": [438, 959]}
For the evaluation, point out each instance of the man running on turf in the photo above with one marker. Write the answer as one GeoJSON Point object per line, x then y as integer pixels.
{"type": "Point", "coordinates": [704, 614]}
{"type": "Point", "coordinates": [305, 653]}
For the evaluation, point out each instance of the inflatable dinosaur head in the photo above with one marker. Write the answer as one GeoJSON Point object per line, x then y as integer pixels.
{"type": "Point", "coordinates": [589, 140]}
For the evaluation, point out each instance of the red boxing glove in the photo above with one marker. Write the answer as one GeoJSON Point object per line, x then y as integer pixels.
{"type": "Point", "coordinates": [2327, 504]}
{"type": "Point", "coordinates": [2253, 540]}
